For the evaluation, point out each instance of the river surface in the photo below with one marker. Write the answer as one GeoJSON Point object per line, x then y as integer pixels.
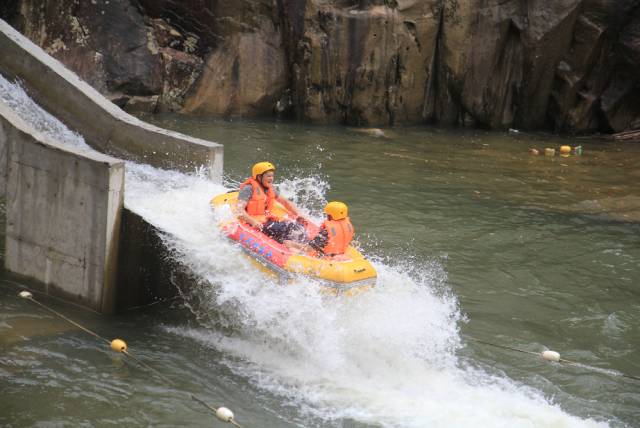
{"type": "Point", "coordinates": [473, 239]}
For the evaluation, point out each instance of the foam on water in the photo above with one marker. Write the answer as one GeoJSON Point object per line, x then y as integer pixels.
{"type": "Point", "coordinates": [14, 96]}
{"type": "Point", "coordinates": [387, 357]}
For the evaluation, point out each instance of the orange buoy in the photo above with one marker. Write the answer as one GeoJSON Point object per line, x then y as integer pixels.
{"type": "Point", "coordinates": [119, 345]}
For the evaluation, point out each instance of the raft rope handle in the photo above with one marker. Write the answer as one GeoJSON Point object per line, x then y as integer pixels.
{"type": "Point", "coordinates": [222, 413]}
{"type": "Point", "coordinates": [555, 357]}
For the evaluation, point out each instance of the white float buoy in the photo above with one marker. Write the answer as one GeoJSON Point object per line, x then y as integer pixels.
{"type": "Point", "coordinates": [551, 356]}
{"type": "Point", "coordinates": [25, 295]}
{"type": "Point", "coordinates": [224, 414]}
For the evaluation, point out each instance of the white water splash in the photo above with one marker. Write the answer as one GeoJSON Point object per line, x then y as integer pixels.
{"type": "Point", "coordinates": [14, 96]}
{"type": "Point", "coordinates": [387, 357]}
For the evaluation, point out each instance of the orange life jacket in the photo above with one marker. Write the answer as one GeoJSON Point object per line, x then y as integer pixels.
{"type": "Point", "coordinates": [261, 202]}
{"type": "Point", "coordinates": [340, 234]}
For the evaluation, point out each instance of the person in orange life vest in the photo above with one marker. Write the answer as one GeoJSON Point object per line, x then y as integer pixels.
{"type": "Point", "coordinates": [335, 234]}
{"type": "Point", "coordinates": [256, 196]}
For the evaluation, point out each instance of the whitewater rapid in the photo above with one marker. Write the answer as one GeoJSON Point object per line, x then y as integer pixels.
{"type": "Point", "coordinates": [387, 357]}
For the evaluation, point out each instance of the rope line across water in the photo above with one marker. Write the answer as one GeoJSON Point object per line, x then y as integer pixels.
{"type": "Point", "coordinates": [226, 415]}
{"type": "Point", "coordinates": [560, 360]}
{"type": "Point", "coordinates": [222, 413]}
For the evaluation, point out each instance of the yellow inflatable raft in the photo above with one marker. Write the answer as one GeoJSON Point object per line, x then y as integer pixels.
{"type": "Point", "coordinates": [347, 273]}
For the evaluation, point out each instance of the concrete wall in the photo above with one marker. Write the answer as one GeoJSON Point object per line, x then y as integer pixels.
{"type": "Point", "coordinates": [63, 214]}
{"type": "Point", "coordinates": [103, 125]}
{"type": "Point", "coordinates": [148, 271]}
{"type": "Point", "coordinates": [65, 205]}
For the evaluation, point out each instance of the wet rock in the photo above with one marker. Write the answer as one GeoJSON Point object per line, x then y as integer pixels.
{"type": "Point", "coordinates": [631, 136]}
{"type": "Point", "coordinates": [621, 99]}
{"type": "Point", "coordinates": [284, 105]}
{"type": "Point", "coordinates": [10, 10]}
{"type": "Point", "coordinates": [599, 89]}
{"type": "Point", "coordinates": [568, 65]}
{"type": "Point", "coordinates": [244, 76]}
{"type": "Point", "coordinates": [138, 104]}
{"type": "Point", "coordinates": [243, 70]}
{"type": "Point", "coordinates": [104, 41]}
{"type": "Point", "coordinates": [180, 72]}
{"type": "Point", "coordinates": [116, 49]}
{"type": "Point", "coordinates": [119, 99]}
{"type": "Point", "coordinates": [371, 132]}
{"type": "Point", "coordinates": [497, 61]}
{"type": "Point", "coordinates": [364, 65]}
{"type": "Point", "coordinates": [210, 22]}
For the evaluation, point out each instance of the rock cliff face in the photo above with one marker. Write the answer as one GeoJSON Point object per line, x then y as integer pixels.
{"type": "Point", "coordinates": [567, 65]}
{"type": "Point", "coordinates": [113, 46]}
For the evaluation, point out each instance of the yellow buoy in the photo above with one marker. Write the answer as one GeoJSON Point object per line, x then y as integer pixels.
{"type": "Point", "coordinates": [565, 151]}
{"type": "Point", "coordinates": [118, 345]}
{"type": "Point", "coordinates": [549, 152]}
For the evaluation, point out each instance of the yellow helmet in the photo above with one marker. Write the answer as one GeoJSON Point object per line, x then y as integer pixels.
{"type": "Point", "coordinates": [261, 168]}
{"type": "Point", "coordinates": [337, 210]}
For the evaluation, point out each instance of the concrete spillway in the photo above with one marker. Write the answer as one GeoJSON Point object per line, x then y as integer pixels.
{"type": "Point", "coordinates": [67, 226]}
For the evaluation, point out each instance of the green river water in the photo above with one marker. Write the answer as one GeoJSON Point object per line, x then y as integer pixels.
{"type": "Point", "coordinates": [534, 252]}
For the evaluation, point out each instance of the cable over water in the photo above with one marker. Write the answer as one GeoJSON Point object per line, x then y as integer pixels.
{"type": "Point", "coordinates": [555, 357]}
{"type": "Point", "coordinates": [118, 345]}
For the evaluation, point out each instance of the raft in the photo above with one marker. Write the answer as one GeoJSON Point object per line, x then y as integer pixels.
{"type": "Point", "coordinates": [348, 273]}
